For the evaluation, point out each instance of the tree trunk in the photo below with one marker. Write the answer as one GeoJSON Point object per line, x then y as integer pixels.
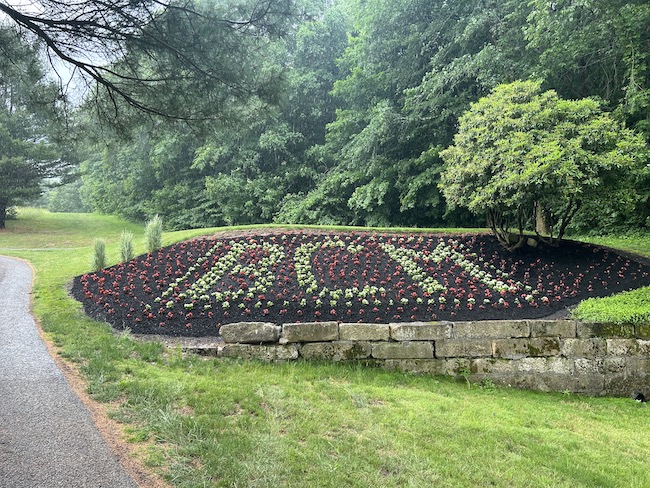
{"type": "Point", "coordinates": [501, 231]}
{"type": "Point", "coordinates": [3, 213]}
{"type": "Point", "coordinates": [541, 226]}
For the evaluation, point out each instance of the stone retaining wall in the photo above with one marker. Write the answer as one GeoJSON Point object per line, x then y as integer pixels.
{"type": "Point", "coordinates": [548, 355]}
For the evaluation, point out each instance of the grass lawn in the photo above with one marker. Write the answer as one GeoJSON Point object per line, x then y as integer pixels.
{"type": "Point", "coordinates": [209, 422]}
{"type": "Point", "coordinates": [636, 244]}
{"type": "Point", "coordinates": [630, 307]}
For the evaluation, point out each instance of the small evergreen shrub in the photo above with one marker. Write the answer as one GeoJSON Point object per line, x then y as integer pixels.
{"type": "Point", "coordinates": [99, 254]}
{"type": "Point", "coordinates": [127, 252]}
{"type": "Point", "coordinates": [153, 233]}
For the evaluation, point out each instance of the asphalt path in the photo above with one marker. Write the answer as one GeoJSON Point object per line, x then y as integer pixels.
{"type": "Point", "coordinates": [47, 437]}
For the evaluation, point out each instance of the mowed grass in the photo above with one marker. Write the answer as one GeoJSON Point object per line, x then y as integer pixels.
{"type": "Point", "coordinates": [210, 422]}
{"type": "Point", "coordinates": [638, 244]}
{"type": "Point", "coordinates": [41, 230]}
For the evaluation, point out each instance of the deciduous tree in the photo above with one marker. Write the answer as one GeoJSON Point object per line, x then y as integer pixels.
{"type": "Point", "coordinates": [520, 154]}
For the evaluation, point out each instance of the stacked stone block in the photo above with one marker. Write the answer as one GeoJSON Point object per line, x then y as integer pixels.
{"type": "Point", "coordinates": [548, 355]}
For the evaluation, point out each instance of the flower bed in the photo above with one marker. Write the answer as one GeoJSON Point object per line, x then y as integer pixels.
{"type": "Point", "coordinates": [193, 287]}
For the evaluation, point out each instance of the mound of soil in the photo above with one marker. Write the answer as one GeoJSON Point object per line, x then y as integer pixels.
{"type": "Point", "coordinates": [192, 288]}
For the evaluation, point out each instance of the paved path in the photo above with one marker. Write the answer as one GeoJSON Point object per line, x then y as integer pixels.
{"type": "Point", "coordinates": [47, 437]}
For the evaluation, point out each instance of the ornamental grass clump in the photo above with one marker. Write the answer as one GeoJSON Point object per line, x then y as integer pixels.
{"type": "Point", "coordinates": [99, 254]}
{"type": "Point", "coordinates": [127, 252]}
{"type": "Point", "coordinates": [153, 233]}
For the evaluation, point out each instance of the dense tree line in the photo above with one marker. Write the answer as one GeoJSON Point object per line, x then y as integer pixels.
{"type": "Point", "coordinates": [354, 101]}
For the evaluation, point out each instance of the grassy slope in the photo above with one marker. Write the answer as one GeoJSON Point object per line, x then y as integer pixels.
{"type": "Point", "coordinates": [235, 423]}
{"type": "Point", "coordinates": [629, 307]}
{"type": "Point", "coordinates": [635, 244]}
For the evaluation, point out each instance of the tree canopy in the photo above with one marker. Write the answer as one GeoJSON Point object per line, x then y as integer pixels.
{"type": "Point", "coordinates": [528, 159]}
{"type": "Point", "coordinates": [332, 111]}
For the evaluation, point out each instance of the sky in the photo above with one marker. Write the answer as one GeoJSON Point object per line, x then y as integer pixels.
{"type": "Point", "coordinates": [62, 73]}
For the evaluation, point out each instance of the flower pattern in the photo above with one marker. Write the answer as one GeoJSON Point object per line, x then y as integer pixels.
{"type": "Point", "coordinates": [193, 287]}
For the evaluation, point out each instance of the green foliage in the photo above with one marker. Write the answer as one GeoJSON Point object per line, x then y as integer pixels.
{"type": "Point", "coordinates": [369, 93]}
{"type": "Point", "coordinates": [631, 307]}
{"type": "Point", "coordinates": [127, 251]}
{"type": "Point", "coordinates": [603, 52]}
{"type": "Point", "coordinates": [192, 61]}
{"type": "Point", "coordinates": [12, 213]}
{"type": "Point", "coordinates": [20, 179]}
{"type": "Point", "coordinates": [520, 154]}
{"type": "Point", "coordinates": [323, 204]}
{"type": "Point", "coordinates": [630, 213]}
{"type": "Point", "coordinates": [66, 198]}
{"type": "Point", "coordinates": [153, 233]}
{"type": "Point", "coordinates": [243, 201]}
{"type": "Point", "coordinates": [99, 255]}
{"type": "Point", "coordinates": [407, 74]}
{"type": "Point", "coordinates": [29, 112]}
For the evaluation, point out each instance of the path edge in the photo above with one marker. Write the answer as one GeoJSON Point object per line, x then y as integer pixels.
{"type": "Point", "coordinates": [111, 431]}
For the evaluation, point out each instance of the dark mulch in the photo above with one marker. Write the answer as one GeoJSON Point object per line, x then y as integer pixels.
{"type": "Point", "coordinates": [152, 294]}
